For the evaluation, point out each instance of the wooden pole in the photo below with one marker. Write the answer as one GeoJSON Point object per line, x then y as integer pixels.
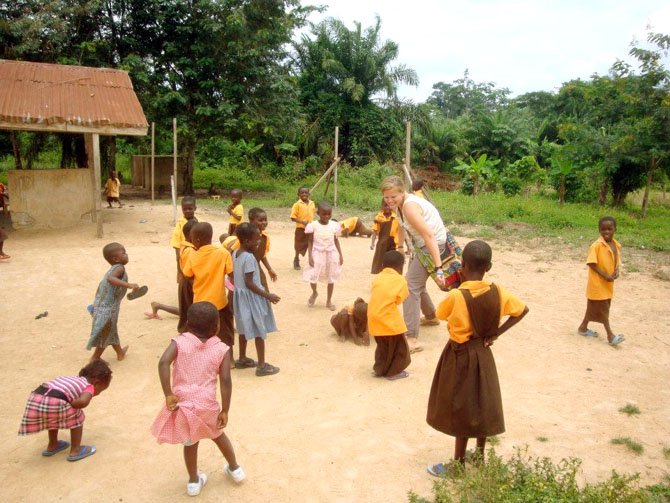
{"type": "Point", "coordinates": [337, 136]}
{"type": "Point", "coordinates": [174, 153]}
{"type": "Point", "coordinates": [173, 191]}
{"type": "Point", "coordinates": [153, 160]}
{"type": "Point", "coordinates": [328, 171]}
{"type": "Point", "coordinates": [92, 141]}
{"type": "Point", "coordinates": [408, 136]}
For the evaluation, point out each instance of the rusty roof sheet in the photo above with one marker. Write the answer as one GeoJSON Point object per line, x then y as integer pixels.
{"type": "Point", "coordinates": [59, 96]}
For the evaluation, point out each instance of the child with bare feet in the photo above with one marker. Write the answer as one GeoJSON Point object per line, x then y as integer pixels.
{"type": "Point", "coordinates": [604, 260]}
{"type": "Point", "coordinates": [253, 313]}
{"type": "Point", "coordinates": [351, 322]}
{"type": "Point", "coordinates": [3, 236]}
{"type": "Point", "coordinates": [111, 290]}
{"type": "Point", "coordinates": [385, 323]}
{"type": "Point", "coordinates": [185, 288]}
{"type": "Point", "coordinates": [465, 400]}
{"type": "Point", "coordinates": [57, 405]}
{"type": "Point", "coordinates": [113, 190]}
{"type": "Point", "coordinates": [235, 210]}
{"type": "Point", "coordinates": [302, 213]}
{"type": "Point", "coordinates": [191, 412]}
{"type": "Point", "coordinates": [325, 255]}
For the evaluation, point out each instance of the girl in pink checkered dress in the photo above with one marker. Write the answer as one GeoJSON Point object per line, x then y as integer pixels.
{"type": "Point", "coordinates": [57, 405]}
{"type": "Point", "coordinates": [191, 411]}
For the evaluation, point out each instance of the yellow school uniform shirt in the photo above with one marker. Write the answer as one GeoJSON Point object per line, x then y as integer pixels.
{"type": "Point", "coordinates": [208, 267]}
{"type": "Point", "coordinates": [303, 211]}
{"type": "Point", "coordinates": [389, 289]}
{"type": "Point", "coordinates": [380, 218]}
{"type": "Point", "coordinates": [112, 187]}
{"type": "Point", "coordinates": [455, 311]}
{"type": "Point", "coordinates": [601, 254]}
{"type": "Point", "coordinates": [419, 193]}
{"type": "Point", "coordinates": [184, 251]}
{"type": "Point", "coordinates": [237, 216]}
{"type": "Point", "coordinates": [178, 233]}
{"type": "Point", "coordinates": [231, 243]}
{"type": "Point", "coordinates": [349, 224]}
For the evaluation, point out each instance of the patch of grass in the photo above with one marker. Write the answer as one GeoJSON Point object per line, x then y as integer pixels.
{"type": "Point", "coordinates": [666, 453]}
{"type": "Point", "coordinates": [542, 439]}
{"type": "Point", "coordinates": [630, 409]}
{"type": "Point", "coordinates": [494, 440]}
{"type": "Point", "coordinates": [524, 478]}
{"type": "Point", "coordinates": [632, 445]}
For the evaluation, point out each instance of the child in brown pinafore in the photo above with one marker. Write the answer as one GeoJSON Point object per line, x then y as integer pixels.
{"type": "Point", "coordinates": [465, 399]}
{"type": "Point", "coordinates": [352, 322]}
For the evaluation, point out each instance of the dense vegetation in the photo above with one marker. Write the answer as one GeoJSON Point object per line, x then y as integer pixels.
{"type": "Point", "coordinates": [253, 97]}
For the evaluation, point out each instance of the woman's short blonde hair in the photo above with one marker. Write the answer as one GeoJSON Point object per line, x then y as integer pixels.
{"type": "Point", "coordinates": [393, 182]}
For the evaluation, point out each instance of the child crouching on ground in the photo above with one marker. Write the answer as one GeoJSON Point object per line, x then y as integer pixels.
{"type": "Point", "coordinates": [465, 399]}
{"type": "Point", "coordinates": [107, 304]}
{"type": "Point", "coordinates": [352, 323]}
{"type": "Point", "coordinates": [191, 411]}
{"type": "Point", "coordinates": [385, 323]}
{"type": "Point", "coordinates": [57, 405]}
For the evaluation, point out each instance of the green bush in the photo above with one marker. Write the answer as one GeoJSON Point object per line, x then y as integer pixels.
{"type": "Point", "coordinates": [527, 479]}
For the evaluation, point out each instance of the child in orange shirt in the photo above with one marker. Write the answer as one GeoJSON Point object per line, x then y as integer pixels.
{"type": "Point", "coordinates": [302, 213]}
{"type": "Point", "coordinates": [208, 266]}
{"type": "Point", "coordinates": [385, 323]}
{"type": "Point", "coordinates": [465, 399]}
{"type": "Point", "coordinates": [235, 210]}
{"type": "Point", "coordinates": [604, 259]}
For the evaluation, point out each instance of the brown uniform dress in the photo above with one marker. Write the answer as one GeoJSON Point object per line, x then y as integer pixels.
{"type": "Point", "coordinates": [465, 396]}
{"type": "Point", "coordinates": [385, 242]}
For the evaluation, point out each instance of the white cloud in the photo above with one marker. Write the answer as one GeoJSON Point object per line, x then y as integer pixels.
{"type": "Point", "coordinates": [523, 45]}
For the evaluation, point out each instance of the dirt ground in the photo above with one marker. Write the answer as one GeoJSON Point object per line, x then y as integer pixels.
{"type": "Point", "coordinates": [322, 429]}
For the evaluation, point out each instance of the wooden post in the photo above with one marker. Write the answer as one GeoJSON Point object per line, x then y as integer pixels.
{"type": "Point", "coordinates": [153, 160]}
{"type": "Point", "coordinates": [173, 192]}
{"type": "Point", "coordinates": [327, 173]}
{"type": "Point", "coordinates": [174, 152]}
{"type": "Point", "coordinates": [92, 141]}
{"type": "Point", "coordinates": [337, 136]}
{"type": "Point", "coordinates": [408, 136]}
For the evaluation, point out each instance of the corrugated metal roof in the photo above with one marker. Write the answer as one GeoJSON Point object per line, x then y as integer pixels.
{"type": "Point", "coordinates": [58, 96]}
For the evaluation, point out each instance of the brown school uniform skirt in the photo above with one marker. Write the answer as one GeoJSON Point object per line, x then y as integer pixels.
{"type": "Point", "coordinates": [231, 229]}
{"type": "Point", "coordinates": [391, 355]}
{"type": "Point", "coordinates": [340, 322]}
{"type": "Point", "coordinates": [384, 243]}
{"type": "Point", "coordinates": [598, 310]}
{"type": "Point", "coordinates": [300, 241]}
{"type": "Point", "coordinates": [465, 396]}
{"type": "Point", "coordinates": [185, 297]}
{"type": "Point", "coordinates": [227, 325]}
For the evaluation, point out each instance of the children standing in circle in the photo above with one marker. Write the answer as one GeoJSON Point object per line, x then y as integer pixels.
{"type": "Point", "coordinates": [325, 255]}
{"type": "Point", "coordinates": [465, 399]}
{"type": "Point", "coordinates": [604, 259]}
{"type": "Point", "coordinates": [302, 213]}
{"type": "Point", "coordinates": [253, 314]}
{"type": "Point", "coordinates": [57, 405]}
{"type": "Point", "coordinates": [191, 411]}
{"type": "Point", "coordinates": [107, 304]}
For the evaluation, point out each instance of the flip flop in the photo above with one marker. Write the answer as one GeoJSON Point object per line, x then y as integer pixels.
{"type": "Point", "coordinates": [247, 363]}
{"type": "Point", "coordinates": [616, 340]}
{"type": "Point", "coordinates": [588, 333]}
{"type": "Point", "coordinates": [416, 349]}
{"type": "Point", "coordinates": [438, 470]}
{"type": "Point", "coordinates": [4, 257]}
{"type": "Point", "coordinates": [266, 370]}
{"type": "Point", "coordinates": [400, 375]}
{"type": "Point", "coordinates": [62, 445]}
{"type": "Point", "coordinates": [84, 452]}
{"type": "Point", "coordinates": [89, 308]}
{"type": "Point", "coordinates": [136, 294]}
{"type": "Point", "coordinates": [152, 316]}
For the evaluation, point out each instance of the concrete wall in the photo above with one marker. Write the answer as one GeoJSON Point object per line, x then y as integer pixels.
{"type": "Point", "coordinates": [49, 198]}
{"type": "Point", "coordinates": [163, 169]}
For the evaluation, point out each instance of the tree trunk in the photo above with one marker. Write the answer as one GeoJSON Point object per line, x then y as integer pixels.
{"type": "Point", "coordinates": [561, 193]}
{"type": "Point", "coordinates": [188, 154]}
{"type": "Point", "coordinates": [80, 151]}
{"type": "Point", "coordinates": [16, 147]}
{"type": "Point", "coordinates": [36, 143]}
{"type": "Point", "coordinates": [602, 193]}
{"type": "Point", "coordinates": [66, 153]}
{"type": "Point", "coordinates": [653, 163]}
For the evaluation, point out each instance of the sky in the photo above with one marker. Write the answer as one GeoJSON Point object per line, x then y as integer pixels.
{"type": "Point", "coordinates": [523, 45]}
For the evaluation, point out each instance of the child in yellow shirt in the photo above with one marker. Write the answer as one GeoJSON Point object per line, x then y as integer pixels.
{"type": "Point", "coordinates": [465, 399]}
{"type": "Point", "coordinates": [235, 210]}
{"type": "Point", "coordinates": [302, 213]}
{"type": "Point", "coordinates": [113, 190]}
{"type": "Point", "coordinates": [417, 188]}
{"type": "Point", "coordinates": [385, 232]}
{"type": "Point", "coordinates": [385, 323]}
{"type": "Point", "coordinates": [604, 259]}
